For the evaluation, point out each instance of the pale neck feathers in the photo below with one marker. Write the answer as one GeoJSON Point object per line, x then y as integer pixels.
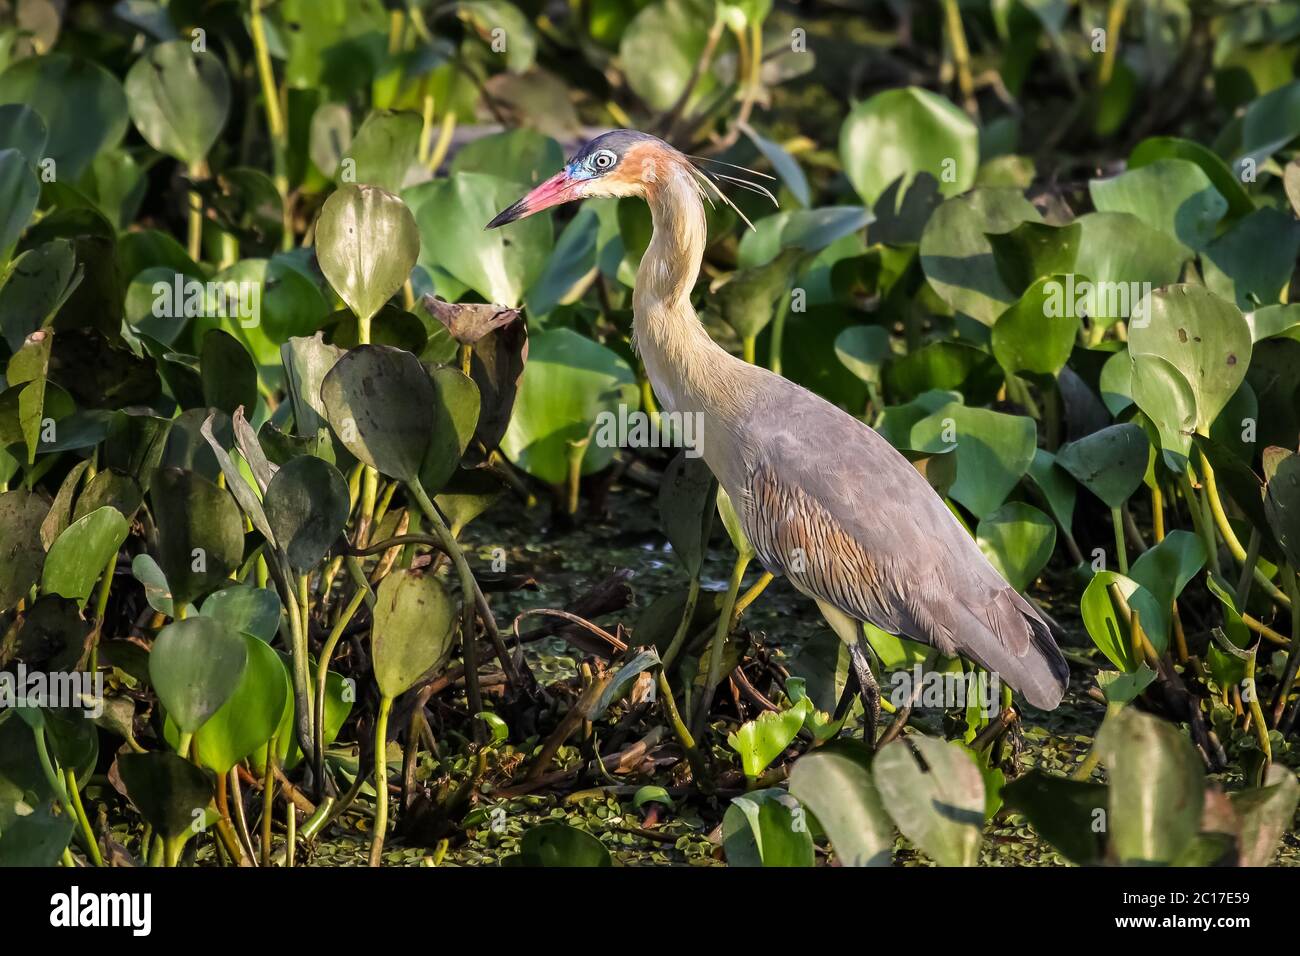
{"type": "Point", "coordinates": [689, 371]}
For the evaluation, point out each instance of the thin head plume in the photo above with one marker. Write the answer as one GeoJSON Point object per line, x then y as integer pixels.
{"type": "Point", "coordinates": [710, 178]}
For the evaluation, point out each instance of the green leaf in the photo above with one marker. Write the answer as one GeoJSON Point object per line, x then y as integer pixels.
{"type": "Point", "coordinates": [179, 99]}
{"type": "Point", "coordinates": [377, 400]}
{"type": "Point", "coordinates": [1166, 397]}
{"type": "Point", "coordinates": [244, 608]}
{"type": "Point", "coordinates": [23, 129]}
{"type": "Point", "coordinates": [1035, 250]}
{"type": "Point", "coordinates": [1266, 813]}
{"type": "Point", "coordinates": [993, 451]}
{"type": "Point", "coordinates": [1169, 147]}
{"type": "Point", "coordinates": [661, 48]}
{"type": "Point", "coordinates": [169, 791]}
{"type": "Point", "coordinates": [760, 829]}
{"type": "Point", "coordinates": [835, 783]}
{"type": "Point", "coordinates": [19, 192]}
{"type": "Point", "coordinates": [939, 807]}
{"type": "Point", "coordinates": [1110, 463]}
{"type": "Point", "coordinates": [1157, 787]}
{"type": "Point", "coordinates": [498, 264]}
{"type": "Point", "coordinates": [1202, 336]}
{"type": "Point", "coordinates": [367, 243]}
{"type": "Point", "coordinates": [762, 740]}
{"type": "Point", "coordinates": [1282, 505]}
{"type": "Point", "coordinates": [251, 714]}
{"type": "Point", "coordinates": [1018, 540]}
{"type": "Point", "coordinates": [863, 349]}
{"type": "Point", "coordinates": [1165, 568]}
{"type": "Point", "coordinates": [1174, 195]}
{"type": "Point", "coordinates": [957, 256]}
{"type": "Point", "coordinates": [573, 389]}
{"type": "Point", "coordinates": [306, 505]}
{"type": "Point", "coordinates": [227, 372]}
{"type": "Point", "coordinates": [385, 148]}
{"type": "Point", "coordinates": [1123, 256]}
{"type": "Point", "coordinates": [1056, 485]}
{"type": "Point", "coordinates": [1251, 263]}
{"type": "Point", "coordinates": [1108, 630]}
{"type": "Point", "coordinates": [413, 629]}
{"type": "Point", "coordinates": [903, 132]}
{"type": "Point", "coordinates": [22, 553]}
{"type": "Point", "coordinates": [83, 105]}
{"type": "Point", "coordinates": [520, 155]}
{"type": "Point", "coordinates": [200, 532]}
{"type": "Point", "coordinates": [80, 555]}
{"type": "Point", "coordinates": [195, 666]}
{"type": "Point", "coordinates": [1064, 812]}
{"type": "Point", "coordinates": [1036, 335]}
{"type": "Point", "coordinates": [558, 844]}
{"type": "Point", "coordinates": [686, 507]}
{"type": "Point", "coordinates": [455, 416]}
{"type": "Point", "coordinates": [40, 281]}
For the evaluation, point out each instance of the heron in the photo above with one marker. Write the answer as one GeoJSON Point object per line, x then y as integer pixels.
{"type": "Point", "coordinates": [823, 498]}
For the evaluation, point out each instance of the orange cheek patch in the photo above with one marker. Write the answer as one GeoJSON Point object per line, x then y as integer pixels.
{"type": "Point", "coordinates": [643, 163]}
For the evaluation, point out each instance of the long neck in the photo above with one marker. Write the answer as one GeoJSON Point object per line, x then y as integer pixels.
{"type": "Point", "coordinates": [689, 371]}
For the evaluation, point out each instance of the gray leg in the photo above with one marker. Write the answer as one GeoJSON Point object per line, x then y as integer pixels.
{"type": "Point", "coordinates": [868, 689]}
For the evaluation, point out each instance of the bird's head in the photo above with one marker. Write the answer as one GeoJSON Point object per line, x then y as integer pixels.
{"type": "Point", "coordinates": [623, 162]}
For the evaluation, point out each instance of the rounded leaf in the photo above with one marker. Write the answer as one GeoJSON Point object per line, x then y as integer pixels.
{"type": "Point", "coordinates": [367, 243]}
{"type": "Point", "coordinates": [195, 666]}
{"type": "Point", "coordinates": [179, 99]}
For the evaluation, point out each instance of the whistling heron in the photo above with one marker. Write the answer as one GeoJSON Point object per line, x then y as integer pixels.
{"type": "Point", "coordinates": [822, 497]}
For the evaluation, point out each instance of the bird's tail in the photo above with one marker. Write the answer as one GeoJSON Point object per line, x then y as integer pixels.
{"type": "Point", "coordinates": [1024, 653]}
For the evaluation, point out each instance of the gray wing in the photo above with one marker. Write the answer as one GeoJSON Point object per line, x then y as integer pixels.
{"type": "Point", "coordinates": [833, 506]}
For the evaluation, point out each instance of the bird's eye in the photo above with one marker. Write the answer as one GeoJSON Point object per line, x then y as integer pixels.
{"type": "Point", "coordinates": [604, 159]}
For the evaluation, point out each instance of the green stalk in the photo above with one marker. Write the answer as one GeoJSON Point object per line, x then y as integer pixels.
{"type": "Point", "coordinates": [268, 798]}
{"type": "Point", "coordinates": [688, 612]}
{"type": "Point", "coordinates": [469, 652]}
{"type": "Point", "coordinates": [576, 452]}
{"type": "Point", "coordinates": [719, 643]}
{"type": "Point", "coordinates": [1121, 552]}
{"type": "Point", "coordinates": [275, 122]}
{"type": "Point", "coordinates": [748, 347]}
{"type": "Point", "coordinates": [322, 674]}
{"type": "Point", "coordinates": [197, 170]}
{"type": "Point", "coordinates": [1293, 654]}
{"type": "Point", "coordinates": [92, 845]}
{"type": "Point", "coordinates": [381, 781]}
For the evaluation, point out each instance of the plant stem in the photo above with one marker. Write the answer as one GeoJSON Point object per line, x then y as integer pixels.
{"type": "Point", "coordinates": [92, 845]}
{"type": "Point", "coordinates": [960, 55]}
{"type": "Point", "coordinates": [1114, 24]}
{"type": "Point", "coordinates": [381, 781]}
{"type": "Point", "coordinates": [748, 349]}
{"type": "Point", "coordinates": [1121, 552]}
{"type": "Point", "coordinates": [197, 170]}
{"type": "Point", "coordinates": [468, 589]}
{"type": "Point", "coordinates": [1293, 655]}
{"type": "Point", "coordinates": [268, 797]}
{"type": "Point", "coordinates": [322, 673]}
{"type": "Point", "coordinates": [719, 642]}
{"type": "Point", "coordinates": [576, 452]}
{"type": "Point", "coordinates": [688, 612]}
{"type": "Point", "coordinates": [275, 123]}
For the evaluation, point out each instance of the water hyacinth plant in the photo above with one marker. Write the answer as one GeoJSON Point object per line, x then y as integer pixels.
{"type": "Point", "coordinates": [338, 529]}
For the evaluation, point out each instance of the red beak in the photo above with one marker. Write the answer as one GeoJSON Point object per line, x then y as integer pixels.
{"type": "Point", "coordinates": [559, 188]}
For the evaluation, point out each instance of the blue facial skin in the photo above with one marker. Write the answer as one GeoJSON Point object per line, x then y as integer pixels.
{"type": "Point", "coordinates": [578, 170]}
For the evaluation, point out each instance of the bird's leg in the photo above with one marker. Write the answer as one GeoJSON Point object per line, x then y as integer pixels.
{"type": "Point", "coordinates": [868, 689]}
